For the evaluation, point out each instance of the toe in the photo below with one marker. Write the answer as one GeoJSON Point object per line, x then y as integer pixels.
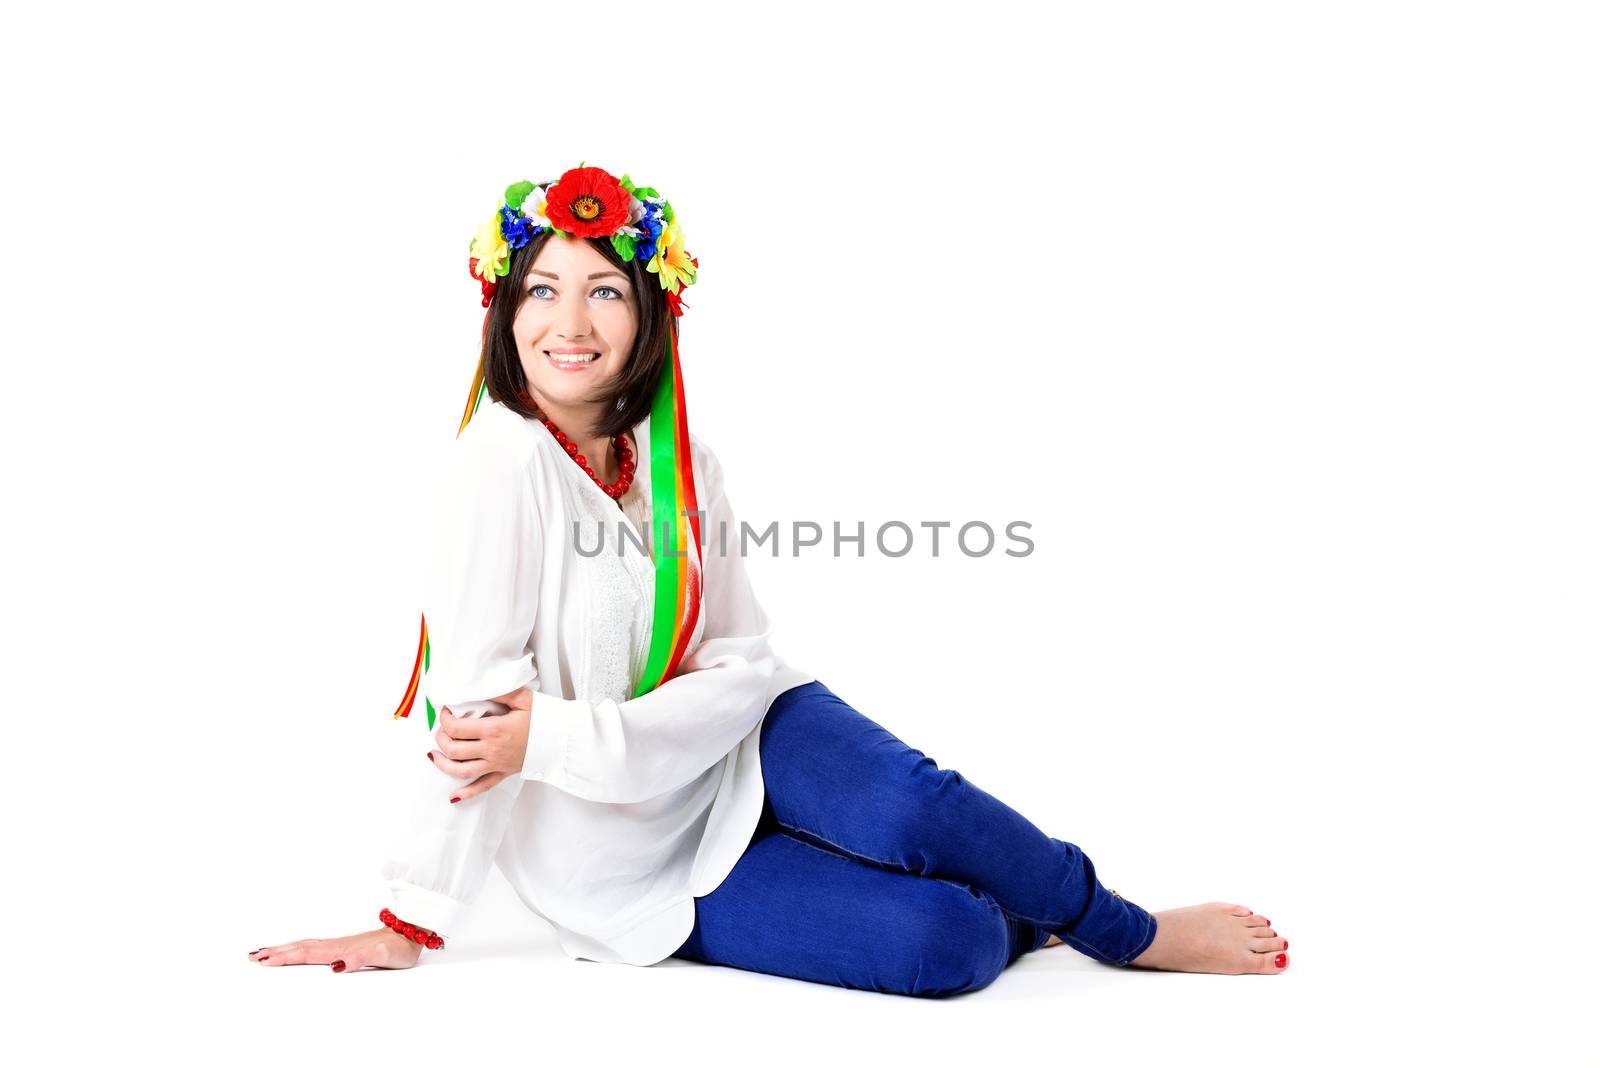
{"type": "Point", "coordinates": [1257, 921]}
{"type": "Point", "coordinates": [1269, 945]}
{"type": "Point", "coordinates": [1237, 910]}
{"type": "Point", "coordinates": [1271, 963]}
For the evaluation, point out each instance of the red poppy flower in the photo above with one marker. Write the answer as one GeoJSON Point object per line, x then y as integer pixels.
{"type": "Point", "coordinates": [587, 202]}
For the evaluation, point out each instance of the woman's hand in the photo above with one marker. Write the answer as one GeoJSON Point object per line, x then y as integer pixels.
{"type": "Point", "coordinates": [383, 948]}
{"type": "Point", "coordinates": [484, 749]}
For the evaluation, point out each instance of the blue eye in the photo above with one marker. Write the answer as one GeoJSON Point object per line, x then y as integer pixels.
{"type": "Point", "coordinates": [616, 294]}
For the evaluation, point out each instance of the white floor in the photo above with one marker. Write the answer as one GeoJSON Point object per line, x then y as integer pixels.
{"type": "Point", "coordinates": [505, 993]}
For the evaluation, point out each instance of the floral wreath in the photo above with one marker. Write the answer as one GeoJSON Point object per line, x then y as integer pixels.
{"type": "Point", "coordinates": [586, 202]}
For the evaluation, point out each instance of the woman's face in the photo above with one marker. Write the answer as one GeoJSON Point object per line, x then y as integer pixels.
{"type": "Point", "coordinates": [575, 326]}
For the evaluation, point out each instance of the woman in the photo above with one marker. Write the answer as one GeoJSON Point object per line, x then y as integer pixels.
{"type": "Point", "coordinates": [618, 734]}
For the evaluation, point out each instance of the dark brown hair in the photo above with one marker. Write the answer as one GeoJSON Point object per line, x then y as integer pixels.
{"type": "Point", "coordinates": [628, 399]}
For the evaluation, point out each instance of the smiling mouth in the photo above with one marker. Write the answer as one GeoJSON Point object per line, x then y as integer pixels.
{"type": "Point", "coordinates": [572, 358]}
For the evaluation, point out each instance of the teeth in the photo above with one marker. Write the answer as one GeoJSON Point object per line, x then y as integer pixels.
{"type": "Point", "coordinates": [573, 357]}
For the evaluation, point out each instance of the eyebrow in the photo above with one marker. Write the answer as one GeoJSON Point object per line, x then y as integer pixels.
{"type": "Point", "coordinates": [592, 277]}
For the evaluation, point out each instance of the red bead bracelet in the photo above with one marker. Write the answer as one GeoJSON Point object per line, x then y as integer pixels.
{"type": "Point", "coordinates": [420, 935]}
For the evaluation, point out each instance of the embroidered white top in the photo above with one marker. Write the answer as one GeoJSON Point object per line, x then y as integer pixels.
{"type": "Point", "coordinates": [627, 808]}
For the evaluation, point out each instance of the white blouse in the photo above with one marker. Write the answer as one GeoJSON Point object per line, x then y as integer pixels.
{"type": "Point", "coordinates": [627, 808]}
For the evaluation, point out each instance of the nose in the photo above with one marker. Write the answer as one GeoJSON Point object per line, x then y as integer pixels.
{"type": "Point", "coordinates": [573, 320]}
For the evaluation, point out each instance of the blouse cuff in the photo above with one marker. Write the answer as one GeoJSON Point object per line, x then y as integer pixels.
{"type": "Point", "coordinates": [423, 907]}
{"type": "Point", "coordinates": [549, 730]}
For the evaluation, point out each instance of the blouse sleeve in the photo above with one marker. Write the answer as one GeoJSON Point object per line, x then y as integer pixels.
{"type": "Point", "coordinates": [621, 752]}
{"type": "Point", "coordinates": [479, 600]}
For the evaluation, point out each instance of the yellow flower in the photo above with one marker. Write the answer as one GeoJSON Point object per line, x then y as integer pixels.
{"type": "Point", "coordinates": [671, 260]}
{"type": "Point", "coordinates": [490, 249]}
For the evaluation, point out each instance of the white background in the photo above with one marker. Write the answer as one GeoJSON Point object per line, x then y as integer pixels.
{"type": "Point", "coordinates": [1277, 321]}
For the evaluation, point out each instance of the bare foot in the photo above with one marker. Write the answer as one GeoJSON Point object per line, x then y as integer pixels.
{"type": "Point", "coordinates": [382, 948]}
{"type": "Point", "coordinates": [1216, 937]}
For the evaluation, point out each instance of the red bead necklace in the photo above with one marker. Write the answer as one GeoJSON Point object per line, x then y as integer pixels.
{"type": "Point", "coordinates": [624, 451]}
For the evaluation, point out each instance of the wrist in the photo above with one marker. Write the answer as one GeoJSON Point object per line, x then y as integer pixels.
{"type": "Point", "coordinates": [411, 932]}
{"type": "Point", "coordinates": [399, 941]}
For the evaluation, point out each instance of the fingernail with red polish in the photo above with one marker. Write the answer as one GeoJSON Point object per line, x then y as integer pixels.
{"type": "Point", "coordinates": [1282, 960]}
{"type": "Point", "coordinates": [338, 965]}
{"type": "Point", "coordinates": [453, 800]}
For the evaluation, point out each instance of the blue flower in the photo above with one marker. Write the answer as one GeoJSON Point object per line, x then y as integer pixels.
{"type": "Point", "coordinates": [650, 224]}
{"type": "Point", "coordinates": [517, 228]}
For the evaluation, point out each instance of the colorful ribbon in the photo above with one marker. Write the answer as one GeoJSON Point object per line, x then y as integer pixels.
{"type": "Point", "coordinates": [673, 500]}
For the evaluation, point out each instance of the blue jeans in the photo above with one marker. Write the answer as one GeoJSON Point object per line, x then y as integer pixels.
{"type": "Point", "coordinates": [874, 869]}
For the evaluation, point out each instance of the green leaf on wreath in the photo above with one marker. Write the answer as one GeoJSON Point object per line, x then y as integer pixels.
{"type": "Point", "coordinates": [516, 194]}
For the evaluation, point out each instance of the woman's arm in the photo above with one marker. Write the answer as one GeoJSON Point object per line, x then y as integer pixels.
{"type": "Point", "coordinates": [636, 749]}
{"type": "Point", "coordinates": [480, 597]}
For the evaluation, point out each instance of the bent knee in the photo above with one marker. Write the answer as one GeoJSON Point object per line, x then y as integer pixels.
{"type": "Point", "coordinates": [961, 945]}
